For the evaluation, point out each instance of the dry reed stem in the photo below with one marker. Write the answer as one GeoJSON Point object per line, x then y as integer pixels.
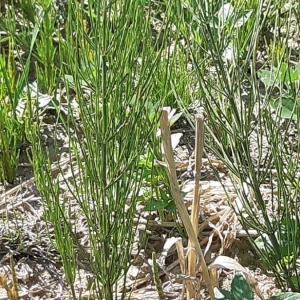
{"type": "Point", "coordinates": [192, 257]}
{"type": "Point", "coordinates": [182, 211]}
{"type": "Point", "coordinates": [182, 262]}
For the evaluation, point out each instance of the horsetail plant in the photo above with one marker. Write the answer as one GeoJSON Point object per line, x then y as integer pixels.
{"type": "Point", "coordinates": [117, 63]}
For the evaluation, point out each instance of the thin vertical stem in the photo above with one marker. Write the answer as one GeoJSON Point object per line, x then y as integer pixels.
{"type": "Point", "coordinates": [175, 191]}
{"type": "Point", "coordinates": [192, 257]}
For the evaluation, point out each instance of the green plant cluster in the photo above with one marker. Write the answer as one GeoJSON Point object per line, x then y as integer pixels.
{"type": "Point", "coordinates": [124, 61]}
{"type": "Point", "coordinates": [286, 79]}
{"type": "Point", "coordinates": [240, 289]}
{"type": "Point", "coordinates": [243, 126]}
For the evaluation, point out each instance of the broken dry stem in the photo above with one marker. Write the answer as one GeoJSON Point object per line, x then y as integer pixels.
{"type": "Point", "coordinates": [182, 211]}
{"type": "Point", "coordinates": [192, 256]}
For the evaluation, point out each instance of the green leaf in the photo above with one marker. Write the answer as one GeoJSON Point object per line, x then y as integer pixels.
{"type": "Point", "coordinates": [297, 68]}
{"type": "Point", "coordinates": [175, 118]}
{"type": "Point", "coordinates": [283, 75]}
{"type": "Point", "coordinates": [286, 296]}
{"type": "Point", "coordinates": [295, 279]}
{"type": "Point", "coordinates": [240, 289]}
{"type": "Point", "coordinates": [171, 207]}
{"type": "Point", "coordinates": [294, 75]}
{"type": "Point", "coordinates": [164, 197]}
{"type": "Point", "coordinates": [267, 77]}
{"type": "Point", "coordinates": [154, 204]}
{"type": "Point", "coordinates": [286, 105]}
